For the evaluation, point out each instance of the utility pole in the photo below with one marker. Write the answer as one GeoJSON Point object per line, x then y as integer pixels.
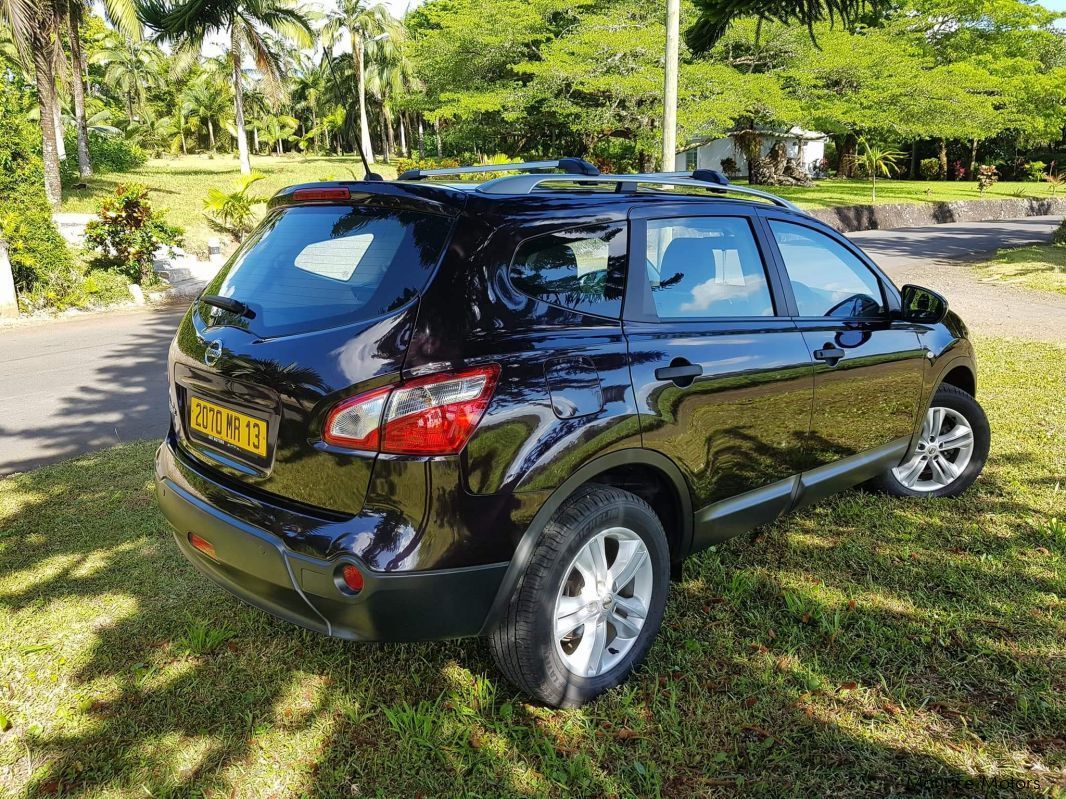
{"type": "Point", "coordinates": [673, 34]}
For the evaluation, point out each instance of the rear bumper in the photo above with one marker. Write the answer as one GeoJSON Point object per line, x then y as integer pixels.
{"type": "Point", "coordinates": [256, 566]}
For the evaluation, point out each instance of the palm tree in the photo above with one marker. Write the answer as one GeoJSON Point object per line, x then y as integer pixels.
{"type": "Point", "coordinates": [878, 161]}
{"type": "Point", "coordinates": [715, 16]}
{"type": "Point", "coordinates": [248, 24]}
{"type": "Point", "coordinates": [308, 87]}
{"type": "Point", "coordinates": [363, 24]}
{"type": "Point", "coordinates": [390, 75]}
{"type": "Point", "coordinates": [123, 15]}
{"type": "Point", "coordinates": [205, 101]}
{"type": "Point", "coordinates": [276, 129]}
{"type": "Point", "coordinates": [131, 67]}
{"type": "Point", "coordinates": [34, 27]}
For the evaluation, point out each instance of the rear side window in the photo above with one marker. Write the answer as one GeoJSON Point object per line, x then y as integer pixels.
{"type": "Point", "coordinates": [314, 267]}
{"type": "Point", "coordinates": [706, 267]}
{"type": "Point", "coordinates": [581, 268]}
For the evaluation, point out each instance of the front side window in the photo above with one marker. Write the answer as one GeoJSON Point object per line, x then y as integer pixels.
{"type": "Point", "coordinates": [826, 278]}
{"type": "Point", "coordinates": [704, 267]}
{"type": "Point", "coordinates": [582, 268]}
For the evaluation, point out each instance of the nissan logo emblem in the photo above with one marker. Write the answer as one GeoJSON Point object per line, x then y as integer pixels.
{"type": "Point", "coordinates": [213, 352]}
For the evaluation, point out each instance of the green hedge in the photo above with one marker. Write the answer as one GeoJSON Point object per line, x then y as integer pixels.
{"type": "Point", "coordinates": [107, 154]}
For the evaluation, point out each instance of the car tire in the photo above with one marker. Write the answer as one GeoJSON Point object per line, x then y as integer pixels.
{"type": "Point", "coordinates": [598, 530]}
{"type": "Point", "coordinates": [948, 458]}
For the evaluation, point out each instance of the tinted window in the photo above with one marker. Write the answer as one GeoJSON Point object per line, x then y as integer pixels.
{"type": "Point", "coordinates": [826, 278]}
{"type": "Point", "coordinates": [313, 267]}
{"type": "Point", "coordinates": [582, 268]}
{"type": "Point", "coordinates": [706, 267]}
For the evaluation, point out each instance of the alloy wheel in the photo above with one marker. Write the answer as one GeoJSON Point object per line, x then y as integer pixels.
{"type": "Point", "coordinates": [603, 602]}
{"type": "Point", "coordinates": [944, 450]}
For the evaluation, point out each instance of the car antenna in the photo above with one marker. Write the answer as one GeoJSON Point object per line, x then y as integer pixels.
{"type": "Point", "coordinates": [367, 174]}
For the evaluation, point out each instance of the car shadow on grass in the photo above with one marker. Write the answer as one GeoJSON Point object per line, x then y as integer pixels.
{"type": "Point", "coordinates": [864, 647]}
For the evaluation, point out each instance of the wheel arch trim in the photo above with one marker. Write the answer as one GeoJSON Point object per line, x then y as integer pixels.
{"type": "Point", "coordinates": [624, 457]}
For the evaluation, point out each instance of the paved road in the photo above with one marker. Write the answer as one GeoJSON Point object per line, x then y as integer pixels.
{"type": "Point", "coordinates": [73, 386]}
{"type": "Point", "coordinates": [937, 257]}
{"type": "Point", "coordinates": [83, 384]}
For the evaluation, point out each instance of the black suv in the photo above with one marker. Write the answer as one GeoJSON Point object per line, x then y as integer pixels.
{"type": "Point", "coordinates": [421, 409]}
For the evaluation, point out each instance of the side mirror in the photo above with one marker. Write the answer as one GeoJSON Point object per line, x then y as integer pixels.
{"type": "Point", "coordinates": [922, 305]}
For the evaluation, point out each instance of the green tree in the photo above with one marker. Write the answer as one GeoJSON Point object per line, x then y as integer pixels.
{"type": "Point", "coordinates": [132, 67]}
{"type": "Point", "coordinates": [205, 102]}
{"type": "Point", "coordinates": [877, 160]}
{"type": "Point", "coordinates": [252, 27]}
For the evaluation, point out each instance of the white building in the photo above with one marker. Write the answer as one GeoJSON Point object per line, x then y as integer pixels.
{"type": "Point", "coordinates": [807, 147]}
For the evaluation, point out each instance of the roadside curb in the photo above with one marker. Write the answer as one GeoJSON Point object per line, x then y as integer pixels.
{"type": "Point", "coordinates": [853, 218]}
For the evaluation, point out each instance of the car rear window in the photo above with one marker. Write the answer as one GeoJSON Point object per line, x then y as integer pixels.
{"type": "Point", "coordinates": [314, 267]}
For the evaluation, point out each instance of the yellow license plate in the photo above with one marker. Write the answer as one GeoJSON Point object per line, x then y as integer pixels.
{"type": "Point", "coordinates": [228, 427]}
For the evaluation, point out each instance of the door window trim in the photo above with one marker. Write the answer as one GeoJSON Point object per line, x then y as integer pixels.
{"type": "Point", "coordinates": [889, 293]}
{"type": "Point", "coordinates": [639, 305]}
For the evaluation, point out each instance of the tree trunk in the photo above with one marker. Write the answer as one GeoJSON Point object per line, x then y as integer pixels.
{"type": "Point", "coordinates": [85, 167]}
{"type": "Point", "coordinates": [57, 118]}
{"type": "Point", "coordinates": [255, 139]}
{"type": "Point", "coordinates": [211, 133]}
{"type": "Point", "coordinates": [339, 144]}
{"type": "Point", "coordinates": [390, 142]}
{"type": "Point", "coordinates": [421, 139]}
{"type": "Point", "coordinates": [403, 136]}
{"type": "Point", "coordinates": [973, 157]}
{"type": "Point", "coordinates": [943, 159]}
{"type": "Point", "coordinates": [846, 155]}
{"type": "Point", "coordinates": [914, 160]}
{"type": "Point", "coordinates": [360, 70]}
{"type": "Point", "coordinates": [46, 98]}
{"type": "Point", "coordinates": [238, 100]}
{"type": "Point", "coordinates": [440, 144]}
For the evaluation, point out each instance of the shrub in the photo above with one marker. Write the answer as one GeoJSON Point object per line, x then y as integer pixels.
{"type": "Point", "coordinates": [128, 232]}
{"type": "Point", "coordinates": [929, 168]}
{"type": "Point", "coordinates": [107, 153]}
{"type": "Point", "coordinates": [40, 259]}
{"type": "Point", "coordinates": [1059, 236]}
{"type": "Point", "coordinates": [729, 167]}
{"type": "Point", "coordinates": [403, 164]}
{"type": "Point", "coordinates": [1055, 182]}
{"type": "Point", "coordinates": [103, 287]}
{"type": "Point", "coordinates": [1034, 170]}
{"type": "Point", "coordinates": [232, 212]}
{"type": "Point", "coordinates": [987, 175]}
{"type": "Point", "coordinates": [958, 171]}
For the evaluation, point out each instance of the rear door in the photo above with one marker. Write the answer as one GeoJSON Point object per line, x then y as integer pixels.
{"type": "Point", "coordinates": [723, 378]}
{"type": "Point", "coordinates": [868, 363]}
{"type": "Point", "coordinates": [331, 291]}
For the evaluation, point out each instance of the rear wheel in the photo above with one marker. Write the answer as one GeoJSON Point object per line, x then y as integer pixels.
{"type": "Point", "coordinates": [590, 602]}
{"type": "Point", "coordinates": [950, 453]}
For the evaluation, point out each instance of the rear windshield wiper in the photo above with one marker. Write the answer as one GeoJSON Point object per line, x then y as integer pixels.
{"type": "Point", "coordinates": [228, 304]}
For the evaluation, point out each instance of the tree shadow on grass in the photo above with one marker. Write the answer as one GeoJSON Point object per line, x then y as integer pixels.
{"type": "Point", "coordinates": [904, 692]}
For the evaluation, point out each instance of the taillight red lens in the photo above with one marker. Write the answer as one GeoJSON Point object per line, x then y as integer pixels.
{"type": "Point", "coordinates": [202, 544]}
{"type": "Point", "coordinates": [436, 415]}
{"type": "Point", "coordinates": [356, 422]}
{"type": "Point", "coordinates": [337, 193]}
{"type": "Point", "coordinates": [433, 415]}
{"type": "Point", "coordinates": [353, 578]}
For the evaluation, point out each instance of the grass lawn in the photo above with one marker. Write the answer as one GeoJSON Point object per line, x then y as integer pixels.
{"type": "Point", "coordinates": [863, 647]}
{"type": "Point", "coordinates": [180, 184]}
{"type": "Point", "coordinates": [1041, 267]}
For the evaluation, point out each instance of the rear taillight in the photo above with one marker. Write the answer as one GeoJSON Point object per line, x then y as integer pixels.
{"type": "Point", "coordinates": [310, 195]}
{"type": "Point", "coordinates": [433, 415]}
{"type": "Point", "coordinates": [202, 545]}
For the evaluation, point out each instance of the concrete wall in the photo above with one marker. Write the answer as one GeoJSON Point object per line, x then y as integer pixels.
{"type": "Point", "coordinates": [851, 218]}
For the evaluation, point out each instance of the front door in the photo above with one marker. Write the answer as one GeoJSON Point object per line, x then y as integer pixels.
{"type": "Point", "coordinates": [723, 379]}
{"type": "Point", "coordinates": [868, 364]}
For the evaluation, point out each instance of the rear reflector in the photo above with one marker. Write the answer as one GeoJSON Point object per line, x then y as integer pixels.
{"type": "Point", "coordinates": [202, 544]}
{"type": "Point", "coordinates": [352, 577]}
{"type": "Point", "coordinates": [338, 193]}
{"type": "Point", "coordinates": [433, 415]}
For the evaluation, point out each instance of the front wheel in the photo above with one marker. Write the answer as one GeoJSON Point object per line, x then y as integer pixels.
{"type": "Point", "coordinates": [590, 602]}
{"type": "Point", "coordinates": [950, 453]}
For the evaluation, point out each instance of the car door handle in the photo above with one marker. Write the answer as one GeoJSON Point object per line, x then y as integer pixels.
{"type": "Point", "coordinates": [830, 354]}
{"type": "Point", "coordinates": [680, 371]}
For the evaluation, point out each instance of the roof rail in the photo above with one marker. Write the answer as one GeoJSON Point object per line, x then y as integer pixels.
{"type": "Point", "coordinates": [571, 166]}
{"type": "Point", "coordinates": [708, 179]}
